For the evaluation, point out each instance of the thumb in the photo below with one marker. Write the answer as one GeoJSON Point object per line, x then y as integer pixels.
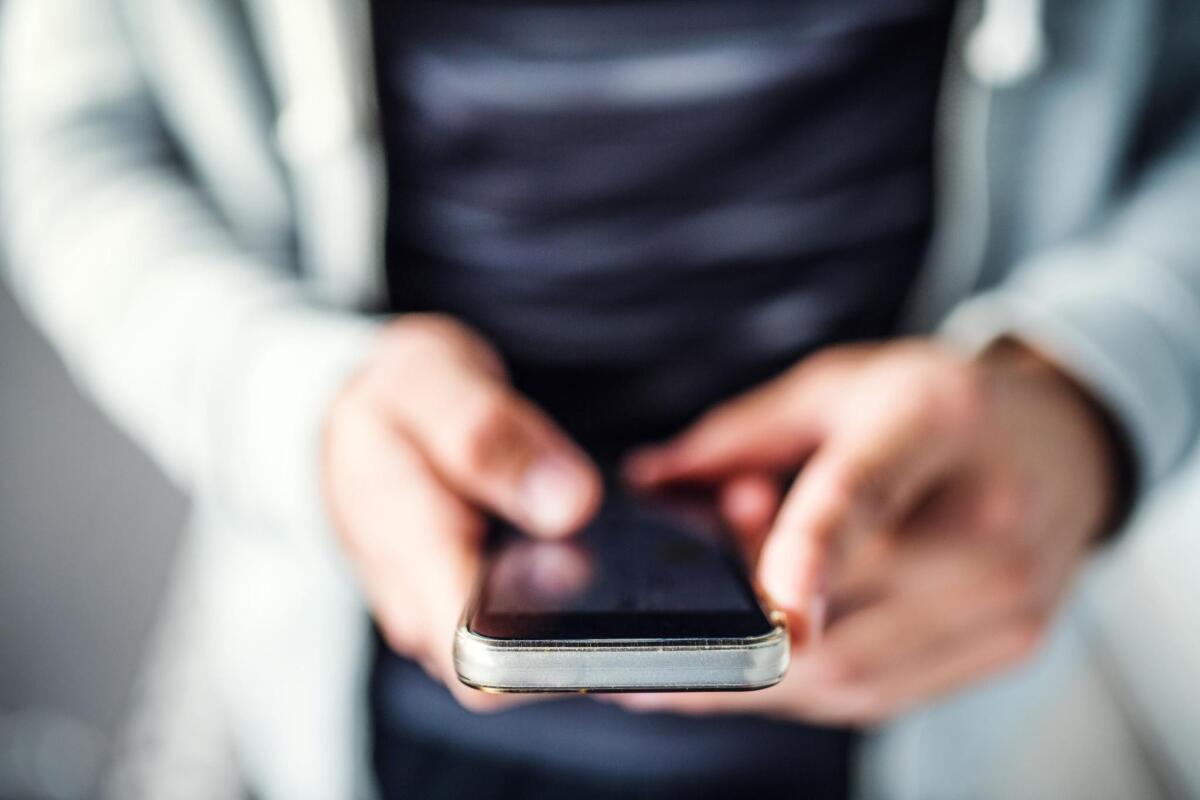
{"type": "Point", "coordinates": [498, 450]}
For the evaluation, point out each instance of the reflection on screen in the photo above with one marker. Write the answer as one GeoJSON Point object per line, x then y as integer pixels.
{"type": "Point", "coordinates": [633, 558]}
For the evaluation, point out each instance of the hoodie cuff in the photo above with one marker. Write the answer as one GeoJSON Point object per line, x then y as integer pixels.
{"type": "Point", "coordinates": [268, 449]}
{"type": "Point", "coordinates": [1098, 314]}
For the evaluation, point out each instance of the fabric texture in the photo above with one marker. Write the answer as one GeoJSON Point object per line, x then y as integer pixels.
{"type": "Point", "coordinates": [652, 207]}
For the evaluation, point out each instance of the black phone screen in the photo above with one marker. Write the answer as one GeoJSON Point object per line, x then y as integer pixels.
{"type": "Point", "coordinates": [643, 568]}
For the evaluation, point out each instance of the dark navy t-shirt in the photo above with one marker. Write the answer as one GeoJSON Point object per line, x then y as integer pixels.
{"type": "Point", "coordinates": [649, 207]}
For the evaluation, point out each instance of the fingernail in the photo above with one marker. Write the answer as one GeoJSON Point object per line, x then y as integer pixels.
{"type": "Point", "coordinates": [552, 491]}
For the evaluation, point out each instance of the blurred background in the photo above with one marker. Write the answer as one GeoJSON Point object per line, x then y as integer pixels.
{"type": "Point", "coordinates": [88, 529]}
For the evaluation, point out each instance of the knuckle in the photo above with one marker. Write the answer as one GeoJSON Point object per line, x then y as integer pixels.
{"type": "Point", "coordinates": [843, 487]}
{"type": "Point", "coordinates": [924, 409]}
{"type": "Point", "coordinates": [412, 339]}
{"type": "Point", "coordinates": [822, 532]}
{"type": "Point", "coordinates": [960, 399]}
{"type": "Point", "coordinates": [426, 331]}
{"type": "Point", "coordinates": [487, 434]}
{"type": "Point", "coordinates": [418, 342]}
{"type": "Point", "coordinates": [860, 490]}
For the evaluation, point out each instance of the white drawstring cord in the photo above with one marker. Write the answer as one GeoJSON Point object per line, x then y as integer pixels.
{"type": "Point", "coordinates": [1008, 45]}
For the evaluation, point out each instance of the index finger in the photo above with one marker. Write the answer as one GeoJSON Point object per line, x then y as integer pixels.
{"type": "Point", "coordinates": [868, 475]}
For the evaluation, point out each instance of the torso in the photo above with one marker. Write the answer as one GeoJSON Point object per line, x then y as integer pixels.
{"type": "Point", "coordinates": [648, 207]}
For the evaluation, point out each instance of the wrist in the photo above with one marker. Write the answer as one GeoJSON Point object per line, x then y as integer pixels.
{"type": "Point", "coordinates": [1090, 428]}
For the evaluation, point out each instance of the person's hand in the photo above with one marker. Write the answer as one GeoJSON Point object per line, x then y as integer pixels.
{"type": "Point", "coordinates": [420, 445]}
{"type": "Point", "coordinates": [941, 507]}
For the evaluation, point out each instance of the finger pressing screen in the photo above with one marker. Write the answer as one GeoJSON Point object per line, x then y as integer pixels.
{"type": "Point", "coordinates": [875, 464]}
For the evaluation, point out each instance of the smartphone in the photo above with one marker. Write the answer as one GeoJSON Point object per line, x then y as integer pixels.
{"type": "Point", "coordinates": [650, 596]}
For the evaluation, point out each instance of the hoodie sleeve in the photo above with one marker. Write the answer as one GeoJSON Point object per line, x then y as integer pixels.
{"type": "Point", "coordinates": [1120, 309]}
{"type": "Point", "coordinates": [213, 358]}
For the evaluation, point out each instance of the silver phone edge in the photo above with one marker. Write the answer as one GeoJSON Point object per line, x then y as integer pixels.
{"type": "Point", "coordinates": [608, 665]}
